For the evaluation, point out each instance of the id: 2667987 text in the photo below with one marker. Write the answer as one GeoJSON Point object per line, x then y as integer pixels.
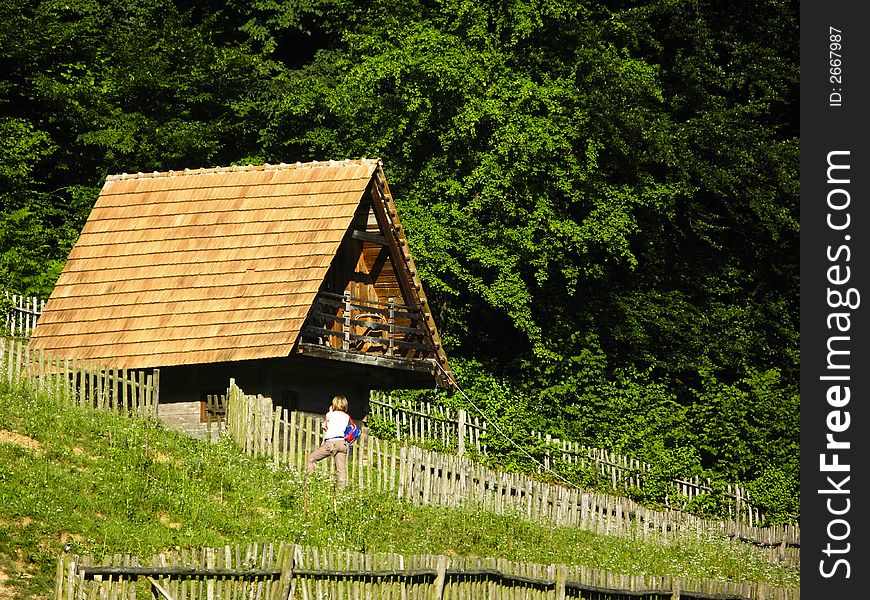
{"type": "Point", "coordinates": [835, 62]}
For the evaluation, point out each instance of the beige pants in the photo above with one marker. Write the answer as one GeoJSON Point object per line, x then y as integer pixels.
{"type": "Point", "coordinates": [337, 449]}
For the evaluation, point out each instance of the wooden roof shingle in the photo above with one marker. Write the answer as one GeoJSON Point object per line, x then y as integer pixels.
{"type": "Point", "coordinates": [200, 266]}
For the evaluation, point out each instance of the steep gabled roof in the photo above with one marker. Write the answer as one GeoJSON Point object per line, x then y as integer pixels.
{"type": "Point", "coordinates": [203, 266]}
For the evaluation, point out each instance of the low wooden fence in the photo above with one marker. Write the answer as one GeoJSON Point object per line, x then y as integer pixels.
{"type": "Point", "coordinates": [283, 571]}
{"type": "Point", "coordinates": [80, 383]}
{"type": "Point", "coordinates": [425, 423]}
{"type": "Point", "coordinates": [425, 477]}
{"type": "Point", "coordinates": [21, 314]}
{"type": "Point", "coordinates": [446, 480]}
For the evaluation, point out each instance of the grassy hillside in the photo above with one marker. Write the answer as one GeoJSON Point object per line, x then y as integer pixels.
{"type": "Point", "coordinates": [104, 483]}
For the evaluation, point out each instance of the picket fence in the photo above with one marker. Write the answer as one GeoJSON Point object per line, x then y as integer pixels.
{"type": "Point", "coordinates": [425, 423]}
{"type": "Point", "coordinates": [21, 314]}
{"type": "Point", "coordinates": [449, 480]}
{"type": "Point", "coordinates": [283, 571]}
{"type": "Point", "coordinates": [80, 383]}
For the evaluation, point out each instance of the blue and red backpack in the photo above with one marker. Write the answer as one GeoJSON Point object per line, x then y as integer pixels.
{"type": "Point", "coordinates": [351, 432]}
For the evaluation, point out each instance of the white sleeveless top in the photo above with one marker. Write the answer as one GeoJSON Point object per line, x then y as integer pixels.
{"type": "Point", "coordinates": [336, 423]}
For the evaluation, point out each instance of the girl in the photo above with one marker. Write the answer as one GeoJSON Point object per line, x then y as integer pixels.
{"type": "Point", "coordinates": [333, 425]}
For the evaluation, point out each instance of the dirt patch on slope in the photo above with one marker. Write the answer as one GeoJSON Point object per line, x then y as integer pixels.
{"type": "Point", "coordinates": [10, 437]}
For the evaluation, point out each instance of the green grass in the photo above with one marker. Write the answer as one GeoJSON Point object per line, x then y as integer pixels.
{"type": "Point", "coordinates": [106, 484]}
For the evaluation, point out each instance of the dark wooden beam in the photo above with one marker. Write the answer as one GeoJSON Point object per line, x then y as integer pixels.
{"type": "Point", "coordinates": [92, 571]}
{"type": "Point", "coordinates": [406, 364]}
{"type": "Point", "coordinates": [365, 236]}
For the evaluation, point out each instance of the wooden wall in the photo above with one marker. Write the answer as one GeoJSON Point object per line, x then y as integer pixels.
{"type": "Point", "coordinates": [365, 268]}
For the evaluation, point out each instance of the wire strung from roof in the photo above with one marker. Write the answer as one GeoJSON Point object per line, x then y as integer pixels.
{"type": "Point", "coordinates": [502, 433]}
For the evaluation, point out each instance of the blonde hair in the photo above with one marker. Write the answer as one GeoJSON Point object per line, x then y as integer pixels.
{"type": "Point", "coordinates": [339, 403]}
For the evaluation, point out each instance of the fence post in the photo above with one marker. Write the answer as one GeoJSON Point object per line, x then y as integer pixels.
{"type": "Point", "coordinates": [16, 316]}
{"type": "Point", "coordinates": [230, 414]}
{"type": "Point", "coordinates": [59, 577]}
{"type": "Point", "coordinates": [71, 578]}
{"type": "Point", "coordinates": [395, 418]}
{"type": "Point", "coordinates": [285, 563]}
{"type": "Point", "coordinates": [441, 577]}
{"type": "Point", "coordinates": [155, 392]}
{"type": "Point", "coordinates": [561, 579]}
{"type": "Point", "coordinates": [597, 465]}
{"type": "Point", "coordinates": [460, 449]}
{"type": "Point", "coordinates": [276, 435]}
{"type": "Point", "coordinates": [391, 321]}
{"type": "Point", "coordinates": [482, 447]}
{"type": "Point", "coordinates": [547, 442]}
{"type": "Point", "coordinates": [345, 327]}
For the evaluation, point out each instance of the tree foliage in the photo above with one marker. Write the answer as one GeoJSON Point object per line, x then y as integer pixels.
{"type": "Point", "coordinates": [601, 197]}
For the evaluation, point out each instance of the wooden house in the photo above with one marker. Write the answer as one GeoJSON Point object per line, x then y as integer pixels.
{"type": "Point", "coordinates": [296, 280]}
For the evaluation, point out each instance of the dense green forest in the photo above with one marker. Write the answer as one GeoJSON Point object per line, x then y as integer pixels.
{"type": "Point", "coordinates": [602, 197]}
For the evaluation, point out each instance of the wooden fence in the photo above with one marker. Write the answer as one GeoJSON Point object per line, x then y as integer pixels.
{"type": "Point", "coordinates": [78, 382]}
{"type": "Point", "coordinates": [21, 314]}
{"type": "Point", "coordinates": [426, 423]}
{"type": "Point", "coordinates": [621, 473]}
{"type": "Point", "coordinates": [283, 571]}
{"type": "Point", "coordinates": [425, 477]}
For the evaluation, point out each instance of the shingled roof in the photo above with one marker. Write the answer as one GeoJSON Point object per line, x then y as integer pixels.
{"type": "Point", "coordinates": [201, 266]}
